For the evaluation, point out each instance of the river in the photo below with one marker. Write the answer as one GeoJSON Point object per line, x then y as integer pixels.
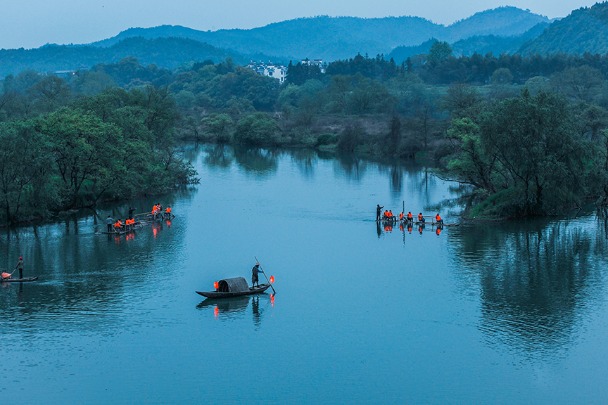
{"type": "Point", "coordinates": [511, 312]}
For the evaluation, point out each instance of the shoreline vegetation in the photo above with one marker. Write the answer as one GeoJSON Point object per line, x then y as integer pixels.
{"type": "Point", "coordinates": [527, 134]}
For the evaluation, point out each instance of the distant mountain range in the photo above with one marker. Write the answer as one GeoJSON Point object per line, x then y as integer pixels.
{"type": "Point", "coordinates": [501, 30]}
{"type": "Point", "coordinates": [332, 38]}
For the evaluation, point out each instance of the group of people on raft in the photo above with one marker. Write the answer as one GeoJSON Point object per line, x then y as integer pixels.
{"type": "Point", "coordinates": [157, 212]}
{"type": "Point", "coordinates": [388, 215]}
{"type": "Point", "coordinates": [128, 224]}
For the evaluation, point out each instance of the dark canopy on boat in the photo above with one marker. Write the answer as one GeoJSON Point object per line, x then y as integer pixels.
{"type": "Point", "coordinates": [237, 284]}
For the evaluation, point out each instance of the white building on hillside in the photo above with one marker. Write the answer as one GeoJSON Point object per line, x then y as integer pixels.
{"type": "Point", "coordinates": [315, 62]}
{"type": "Point", "coordinates": [278, 72]}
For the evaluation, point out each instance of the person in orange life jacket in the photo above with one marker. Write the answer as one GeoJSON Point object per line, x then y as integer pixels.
{"type": "Point", "coordinates": [168, 212]}
{"type": "Point", "coordinates": [438, 219]}
{"type": "Point", "coordinates": [410, 217]}
{"type": "Point", "coordinates": [420, 217]}
{"type": "Point", "coordinates": [401, 216]}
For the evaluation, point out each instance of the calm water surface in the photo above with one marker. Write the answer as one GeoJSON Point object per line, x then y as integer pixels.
{"type": "Point", "coordinates": [483, 313]}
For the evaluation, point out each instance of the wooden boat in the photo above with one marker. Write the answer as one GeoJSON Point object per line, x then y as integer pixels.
{"type": "Point", "coordinates": [233, 287]}
{"type": "Point", "coordinates": [19, 280]}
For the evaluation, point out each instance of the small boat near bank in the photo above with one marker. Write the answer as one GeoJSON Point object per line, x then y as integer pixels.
{"type": "Point", "coordinates": [233, 287]}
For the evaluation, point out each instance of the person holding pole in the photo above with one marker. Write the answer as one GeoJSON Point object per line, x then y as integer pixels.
{"type": "Point", "coordinates": [378, 211]}
{"type": "Point", "coordinates": [19, 267]}
{"type": "Point", "coordinates": [254, 275]}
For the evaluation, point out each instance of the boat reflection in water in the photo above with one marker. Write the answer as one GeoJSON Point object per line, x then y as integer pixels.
{"type": "Point", "coordinates": [232, 308]}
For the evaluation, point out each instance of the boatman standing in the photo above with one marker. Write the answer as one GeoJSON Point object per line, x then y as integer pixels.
{"type": "Point", "coordinates": [254, 275]}
{"type": "Point", "coordinates": [19, 267]}
{"type": "Point", "coordinates": [378, 211]}
{"type": "Point", "coordinates": [109, 223]}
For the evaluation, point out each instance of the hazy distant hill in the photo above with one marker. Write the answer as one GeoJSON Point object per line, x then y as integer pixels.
{"type": "Point", "coordinates": [327, 38]}
{"type": "Point", "coordinates": [496, 45]}
{"type": "Point", "coordinates": [163, 52]}
{"type": "Point", "coordinates": [480, 44]}
{"type": "Point", "coordinates": [319, 37]}
{"type": "Point", "coordinates": [584, 30]}
{"type": "Point", "coordinates": [332, 38]}
{"type": "Point", "coordinates": [499, 22]}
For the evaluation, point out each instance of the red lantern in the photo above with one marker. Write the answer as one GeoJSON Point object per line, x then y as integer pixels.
{"type": "Point", "coordinates": [216, 285]}
{"type": "Point", "coordinates": [271, 279]}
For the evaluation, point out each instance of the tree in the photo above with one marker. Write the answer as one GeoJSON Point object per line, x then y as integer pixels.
{"type": "Point", "coordinates": [218, 126]}
{"type": "Point", "coordinates": [462, 100]}
{"type": "Point", "coordinates": [439, 52]}
{"type": "Point", "coordinates": [26, 189]}
{"type": "Point", "coordinates": [257, 129]}
{"type": "Point", "coordinates": [502, 76]}
{"type": "Point", "coordinates": [470, 163]}
{"type": "Point", "coordinates": [582, 83]}
{"type": "Point", "coordinates": [534, 140]}
{"type": "Point", "coordinates": [394, 135]}
{"type": "Point", "coordinates": [86, 154]}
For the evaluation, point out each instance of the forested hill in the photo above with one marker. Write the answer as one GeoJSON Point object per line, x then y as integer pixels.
{"type": "Point", "coordinates": [480, 44]}
{"type": "Point", "coordinates": [584, 31]}
{"type": "Point", "coordinates": [332, 38]}
{"type": "Point", "coordinates": [164, 52]}
{"type": "Point", "coordinates": [501, 22]}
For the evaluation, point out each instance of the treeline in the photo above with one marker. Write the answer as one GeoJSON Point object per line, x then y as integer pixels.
{"type": "Point", "coordinates": [373, 107]}
{"type": "Point", "coordinates": [63, 151]}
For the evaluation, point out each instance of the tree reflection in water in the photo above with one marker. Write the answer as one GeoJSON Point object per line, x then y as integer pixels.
{"type": "Point", "coordinates": [536, 279]}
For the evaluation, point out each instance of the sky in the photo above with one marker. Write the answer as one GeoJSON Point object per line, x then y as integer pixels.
{"type": "Point", "coordinates": [33, 23]}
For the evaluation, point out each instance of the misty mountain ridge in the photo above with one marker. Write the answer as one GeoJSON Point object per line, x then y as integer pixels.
{"type": "Point", "coordinates": [332, 38]}
{"type": "Point", "coordinates": [501, 30]}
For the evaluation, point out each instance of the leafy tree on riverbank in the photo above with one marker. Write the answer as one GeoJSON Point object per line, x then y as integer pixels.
{"type": "Point", "coordinates": [525, 154]}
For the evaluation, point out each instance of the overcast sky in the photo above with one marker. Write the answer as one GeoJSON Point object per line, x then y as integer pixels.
{"type": "Point", "coordinates": [32, 23]}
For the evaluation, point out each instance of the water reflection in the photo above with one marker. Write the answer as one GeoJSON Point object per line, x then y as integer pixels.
{"type": "Point", "coordinates": [218, 156]}
{"type": "Point", "coordinates": [257, 161]}
{"type": "Point", "coordinates": [406, 228]}
{"type": "Point", "coordinates": [83, 276]}
{"type": "Point", "coordinates": [535, 279]}
{"type": "Point", "coordinates": [350, 167]}
{"type": "Point", "coordinates": [305, 160]}
{"type": "Point", "coordinates": [231, 308]}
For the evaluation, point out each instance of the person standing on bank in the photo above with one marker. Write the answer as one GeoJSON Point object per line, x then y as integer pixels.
{"type": "Point", "coordinates": [254, 275]}
{"type": "Point", "coordinates": [19, 267]}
